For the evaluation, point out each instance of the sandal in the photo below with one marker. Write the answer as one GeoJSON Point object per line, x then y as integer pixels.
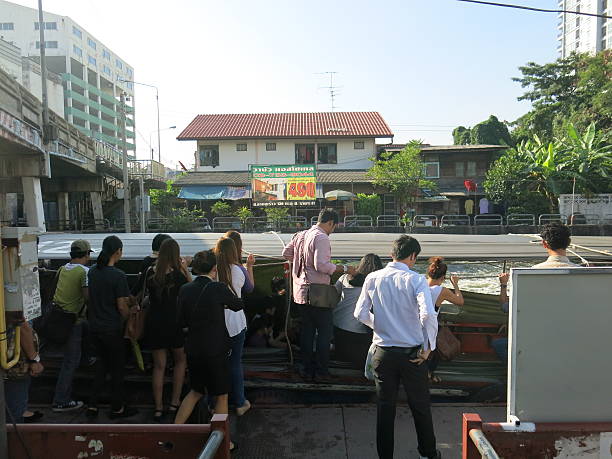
{"type": "Point", "coordinates": [173, 408]}
{"type": "Point", "coordinates": [158, 415]}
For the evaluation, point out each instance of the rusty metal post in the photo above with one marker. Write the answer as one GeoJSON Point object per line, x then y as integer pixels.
{"type": "Point", "coordinates": [468, 449]}
{"type": "Point", "coordinates": [221, 422]}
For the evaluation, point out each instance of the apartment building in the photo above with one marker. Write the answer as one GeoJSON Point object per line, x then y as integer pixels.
{"type": "Point", "coordinates": [584, 34]}
{"type": "Point", "coordinates": [93, 76]}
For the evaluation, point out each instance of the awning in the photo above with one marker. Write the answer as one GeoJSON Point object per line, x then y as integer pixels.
{"type": "Point", "coordinates": [214, 192]}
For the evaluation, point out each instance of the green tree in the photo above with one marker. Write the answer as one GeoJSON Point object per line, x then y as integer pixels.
{"type": "Point", "coordinates": [221, 209]}
{"type": "Point", "coordinates": [276, 214]}
{"type": "Point", "coordinates": [462, 135]}
{"type": "Point", "coordinates": [369, 204]}
{"type": "Point", "coordinates": [488, 132]}
{"type": "Point", "coordinates": [164, 201]}
{"type": "Point", "coordinates": [573, 90]}
{"type": "Point", "coordinates": [401, 173]}
{"type": "Point", "coordinates": [185, 220]}
{"type": "Point", "coordinates": [243, 213]}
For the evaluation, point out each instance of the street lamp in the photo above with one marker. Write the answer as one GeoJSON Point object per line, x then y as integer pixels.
{"type": "Point", "coordinates": [157, 101]}
{"type": "Point", "coordinates": [158, 130]}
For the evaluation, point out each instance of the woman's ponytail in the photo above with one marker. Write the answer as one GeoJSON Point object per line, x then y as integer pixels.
{"type": "Point", "coordinates": [437, 268]}
{"type": "Point", "coordinates": [110, 245]}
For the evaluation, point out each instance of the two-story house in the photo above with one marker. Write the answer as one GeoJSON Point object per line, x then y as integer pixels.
{"type": "Point", "coordinates": [340, 144]}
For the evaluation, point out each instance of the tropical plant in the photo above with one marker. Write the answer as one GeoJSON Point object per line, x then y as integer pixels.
{"type": "Point", "coordinates": [243, 213]}
{"type": "Point", "coordinates": [185, 220]}
{"type": "Point", "coordinates": [401, 173]}
{"type": "Point", "coordinates": [221, 209]}
{"type": "Point", "coordinates": [369, 204]}
{"type": "Point", "coordinates": [276, 214]}
{"type": "Point", "coordinates": [164, 200]}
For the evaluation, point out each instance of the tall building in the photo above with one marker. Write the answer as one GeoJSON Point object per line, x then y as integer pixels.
{"type": "Point", "coordinates": [584, 34]}
{"type": "Point", "coordinates": [92, 75]}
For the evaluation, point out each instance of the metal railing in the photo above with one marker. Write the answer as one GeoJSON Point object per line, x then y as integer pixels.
{"type": "Point", "coordinates": [147, 168]}
{"type": "Point", "coordinates": [226, 223]}
{"type": "Point", "coordinates": [256, 224]}
{"type": "Point", "coordinates": [455, 220]}
{"type": "Point", "coordinates": [314, 220]}
{"type": "Point", "coordinates": [358, 221]}
{"type": "Point", "coordinates": [425, 220]}
{"type": "Point", "coordinates": [584, 219]}
{"type": "Point", "coordinates": [212, 445]}
{"type": "Point", "coordinates": [388, 221]}
{"type": "Point", "coordinates": [483, 445]}
{"type": "Point", "coordinates": [521, 219]}
{"type": "Point", "coordinates": [488, 219]}
{"type": "Point", "coordinates": [21, 129]}
{"type": "Point", "coordinates": [549, 218]}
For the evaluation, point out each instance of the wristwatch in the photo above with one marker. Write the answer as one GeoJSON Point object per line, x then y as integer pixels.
{"type": "Point", "coordinates": [36, 359]}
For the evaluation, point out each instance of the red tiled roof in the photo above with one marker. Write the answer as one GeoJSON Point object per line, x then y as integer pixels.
{"type": "Point", "coordinates": [287, 125]}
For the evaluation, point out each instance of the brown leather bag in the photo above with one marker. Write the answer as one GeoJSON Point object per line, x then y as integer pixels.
{"type": "Point", "coordinates": [135, 325]}
{"type": "Point", "coordinates": [447, 344]}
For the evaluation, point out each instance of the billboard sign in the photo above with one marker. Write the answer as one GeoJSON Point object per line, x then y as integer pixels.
{"type": "Point", "coordinates": [292, 185]}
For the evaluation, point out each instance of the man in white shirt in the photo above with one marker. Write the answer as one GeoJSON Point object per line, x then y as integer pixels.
{"type": "Point", "coordinates": [396, 303]}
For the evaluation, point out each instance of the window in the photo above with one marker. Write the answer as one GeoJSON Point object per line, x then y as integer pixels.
{"type": "Point", "coordinates": [48, 44]}
{"type": "Point", "coordinates": [304, 153]}
{"type": "Point", "coordinates": [459, 169]}
{"type": "Point", "coordinates": [130, 73]}
{"type": "Point", "coordinates": [118, 63]}
{"type": "Point", "coordinates": [106, 69]}
{"type": "Point", "coordinates": [327, 153]}
{"type": "Point", "coordinates": [271, 146]}
{"type": "Point", "coordinates": [577, 34]}
{"type": "Point", "coordinates": [431, 170]}
{"type": "Point", "coordinates": [77, 32]}
{"type": "Point", "coordinates": [105, 54]}
{"type": "Point", "coordinates": [241, 147]}
{"type": "Point", "coordinates": [91, 60]}
{"type": "Point", "coordinates": [77, 51]}
{"type": "Point", "coordinates": [130, 85]}
{"type": "Point", "coordinates": [91, 43]}
{"type": "Point", "coordinates": [471, 169]}
{"type": "Point", "coordinates": [358, 145]}
{"type": "Point", "coordinates": [209, 155]}
{"type": "Point", "coordinates": [47, 25]}
{"type": "Point", "coordinates": [7, 26]}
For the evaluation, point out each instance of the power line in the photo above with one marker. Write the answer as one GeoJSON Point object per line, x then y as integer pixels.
{"type": "Point", "coordinates": [539, 10]}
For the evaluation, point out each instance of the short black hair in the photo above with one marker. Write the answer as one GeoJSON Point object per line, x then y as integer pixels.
{"type": "Point", "coordinates": [157, 241]}
{"type": "Point", "coordinates": [404, 246]}
{"type": "Point", "coordinates": [557, 235]}
{"type": "Point", "coordinates": [77, 254]}
{"type": "Point", "coordinates": [328, 214]}
{"type": "Point", "coordinates": [203, 262]}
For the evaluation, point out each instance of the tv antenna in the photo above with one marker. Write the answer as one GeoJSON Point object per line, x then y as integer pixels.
{"type": "Point", "coordinates": [333, 90]}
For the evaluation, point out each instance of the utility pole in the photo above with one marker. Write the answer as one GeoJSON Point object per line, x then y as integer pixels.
{"type": "Point", "coordinates": [126, 174]}
{"type": "Point", "coordinates": [158, 131]}
{"type": "Point", "coordinates": [43, 74]}
{"type": "Point", "coordinates": [143, 225]}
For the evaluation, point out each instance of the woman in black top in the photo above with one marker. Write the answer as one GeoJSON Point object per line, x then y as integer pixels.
{"type": "Point", "coordinates": [162, 328]}
{"type": "Point", "coordinates": [107, 310]}
{"type": "Point", "coordinates": [202, 304]}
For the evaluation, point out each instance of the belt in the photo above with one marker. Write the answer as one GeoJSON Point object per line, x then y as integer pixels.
{"type": "Point", "coordinates": [400, 350]}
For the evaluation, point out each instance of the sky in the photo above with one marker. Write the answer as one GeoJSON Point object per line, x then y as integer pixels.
{"type": "Point", "coordinates": [426, 65]}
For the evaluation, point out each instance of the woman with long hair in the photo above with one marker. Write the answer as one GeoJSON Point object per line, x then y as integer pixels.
{"type": "Point", "coordinates": [436, 275]}
{"type": "Point", "coordinates": [107, 311]}
{"type": "Point", "coordinates": [249, 283]}
{"type": "Point", "coordinates": [352, 339]}
{"type": "Point", "coordinates": [162, 329]}
{"type": "Point", "coordinates": [229, 273]}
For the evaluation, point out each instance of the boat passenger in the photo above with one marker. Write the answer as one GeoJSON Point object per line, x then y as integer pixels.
{"type": "Point", "coordinates": [352, 339]}
{"type": "Point", "coordinates": [310, 252]}
{"type": "Point", "coordinates": [202, 304]}
{"type": "Point", "coordinates": [149, 261]}
{"type": "Point", "coordinates": [229, 273]}
{"type": "Point", "coordinates": [436, 275]}
{"type": "Point", "coordinates": [500, 345]}
{"type": "Point", "coordinates": [108, 309]}
{"type": "Point", "coordinates": [71, 295]}
{"type": "Point", "coordinates": [396, 303]}
{"type": "Point", "coordinates": [556, 238]}
{"type": "Point", "coordinates": [249, 282]}
{"type": "Point", "coordinates": [163, 330]}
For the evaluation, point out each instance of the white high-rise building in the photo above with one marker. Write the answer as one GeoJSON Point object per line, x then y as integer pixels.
{"type": "Point", "coordinates": [92, 74]}
{"type": "Point", "coordinates": [584, 34]}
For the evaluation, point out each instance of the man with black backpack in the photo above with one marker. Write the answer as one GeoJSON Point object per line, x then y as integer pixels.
{"type": "Point", "coordinates": [71, 295]}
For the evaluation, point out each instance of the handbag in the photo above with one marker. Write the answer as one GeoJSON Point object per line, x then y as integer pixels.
{"type": "Point", "coordinates": [57, 325]}
{"type": "Point", "coordinates": [447, 344]}
{"type": "Point", "coordinates": [139, 307]}
{"type": "Point", "coordinates": [323, 296]}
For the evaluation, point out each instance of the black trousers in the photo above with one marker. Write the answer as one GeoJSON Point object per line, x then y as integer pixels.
{"type": "Point", "coordinates": [319, 322]}
{"type": "Point", "coordinates": [109, 348]}
{"type": "Point", "coordinates": [351, 347]}
{"type": "Point", "coordinates": [390, 368]}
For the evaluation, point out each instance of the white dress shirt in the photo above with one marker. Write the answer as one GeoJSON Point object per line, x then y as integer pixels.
{"type": "Point", "coordinates": [396, 303]}
{"type": "Point", "coordinates": [235, 321]}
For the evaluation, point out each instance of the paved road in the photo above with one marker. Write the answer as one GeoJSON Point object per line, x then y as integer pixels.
{"type": "Point", "coordinates": [344, 245]}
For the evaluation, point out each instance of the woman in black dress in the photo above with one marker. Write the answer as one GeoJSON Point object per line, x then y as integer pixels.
{"type": "Point", "coordinates": [162, 329]}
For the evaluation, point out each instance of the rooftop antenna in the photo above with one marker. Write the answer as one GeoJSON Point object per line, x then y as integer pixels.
{"type": "Point", "coordinates": [332, 89]}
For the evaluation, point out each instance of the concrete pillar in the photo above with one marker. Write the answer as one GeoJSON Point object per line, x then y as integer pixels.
{"type": "Point", "coordinates": [98, 213]}
{"type": "Point", "coordinates": [4, 212]}
{"type": "Point", "coordinates": [63, 210]}
{"type": "Point", "coordinates": [33, 202]}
